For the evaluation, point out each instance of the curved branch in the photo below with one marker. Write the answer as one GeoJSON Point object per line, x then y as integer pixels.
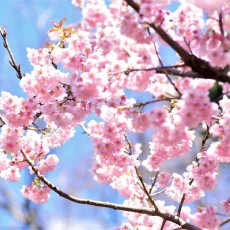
{"type": "Point", "coordinates": [198, 65]}
{"type": "Point", "coordinates": [142, 210]}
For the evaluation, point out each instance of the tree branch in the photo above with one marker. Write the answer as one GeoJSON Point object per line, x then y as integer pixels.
{"type": "Point", "coordinates": [142, 210]}
{"type": "Point", "coordinates": [173, 71]}
{"type": "Point", "coordinates": [151, 200]}
{"type": "Point", "coordinates": [198, 65]}
{"type": "Point", "coordinates": [12, 62]}
{"type": "Point", "coordinates": [227, 220]}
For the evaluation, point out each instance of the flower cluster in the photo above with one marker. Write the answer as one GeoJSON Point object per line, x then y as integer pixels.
{"type": "Point", "coordinates": [17, 111]}
{"type": "Point", "coordinates": [206, 218]}
{"type": "Point", "coordinates": [35, 193]}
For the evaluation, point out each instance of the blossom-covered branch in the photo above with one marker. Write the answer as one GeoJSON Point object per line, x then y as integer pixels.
{"type": "Point", "coordinates": [147, 211]}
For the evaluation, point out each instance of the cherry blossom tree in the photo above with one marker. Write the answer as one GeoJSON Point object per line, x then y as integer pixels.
{"type": "Point", "coordinates": [93, 68]}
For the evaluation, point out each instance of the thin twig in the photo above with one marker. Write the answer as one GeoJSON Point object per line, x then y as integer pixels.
{"type": "Point", "coordinates": [227, 220]}
{"type": "Point", "coordinates": [145, 189]}
{"type": "Point", "coordinates": [39, 129]}
{"type": "Point", "coordinates": [3, 123]}
{"type": "Point", "coordinates": [165, 72]}
{"type": "Point", "coordinates": [154, 180]}
{"type": "Point", "coordinates": [172, 71]}
{"type": "Point", "coordinates": [205, 138]}
{"type": "Point", "coordinates": [142, 104]}
{"type": "Point", "coordinates": [159, 68]}
{"type": "Point", "coordinates": [142, 185]}
{"type": "Point", "coordinates": [163, 224]}
{"type": "Point", "coordinates": [12, 62]}
{"type": "Point", "coordinates": [158, 193]}
{"type": "Point", "coordinates": [84, 129]}
{"type": "Point", "coordinates": [179, 73]}
{"type": "Point", "coordinates": [181, 205]}
{"type": "Point", "coordinates": [221, 23]}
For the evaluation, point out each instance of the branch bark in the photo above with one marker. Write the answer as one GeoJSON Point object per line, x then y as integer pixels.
{"type": "Point", "coordinates": [148, 211]}
{"type": "Point", "coordinates": [198, 65]}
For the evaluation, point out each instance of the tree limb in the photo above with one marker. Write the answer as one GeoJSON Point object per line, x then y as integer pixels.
{"type": "Point", "coordinates": [141, 210]}
{"type": "Point", "coordinates": [198, 65]}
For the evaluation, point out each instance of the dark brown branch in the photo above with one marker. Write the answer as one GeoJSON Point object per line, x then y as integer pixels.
{"type": "Point", "coordinates": [221, 23]}
{"type": "Point", "coordinates": [158, 69]}
{"type": "Point", "coordinates": [227, 220]}
{"type": "Point", "coordinates": [179, 73]}
{"type": "Point", "coordinates": [163, 224]}
{"type": "Point", "coordinates": [197, 65]}
{"type": "Point", "coordinates": [171, 70]}
{"type": "Point", "coordinates": [12, 61]}
{"type": "Point", "coordinates": [180, 50]}
{"type": "Point", "coordinates": [181, 205]}
{"type": "Point", "coordinates": [174, 72]}
{"type": "Point", "coordinates": [3, 123]}
{"type": "Point", "coordinates": [206, 136]}
{"type": "Point", "coordinates": [145, 189]}
{"type": "Point", "coordinates": [133, 4]}
{"type": "Point", "coordinates": [147, 211]}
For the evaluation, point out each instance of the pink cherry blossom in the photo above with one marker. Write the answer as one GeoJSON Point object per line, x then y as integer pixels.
{"type": "Point", "coordinates": [12, 173]}
{"type": "Point", "coordinates": [209, 6]}
{"type": "Point", "coordinates": [10, 138]}
{"type": "Point", "coordinates": [182, 185]}
{"type": "Point", "coordinates": [163, 179]}
{"type": "Point", "coordinates": [226, 206]}
{"type": "Point", "coordinates": [47, 164]}
{"type": "Point", "coordinates": [206, 218]}
{"type": "Point", "coordinates": [35, 193]}
{"type": "Point", "coordinates": [17, 111]}
{"type": "Point", "coordinates": [44, 83]}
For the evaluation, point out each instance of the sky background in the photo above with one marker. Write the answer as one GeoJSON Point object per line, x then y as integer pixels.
{"type": "Point", "coordinates": [27, 23]}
